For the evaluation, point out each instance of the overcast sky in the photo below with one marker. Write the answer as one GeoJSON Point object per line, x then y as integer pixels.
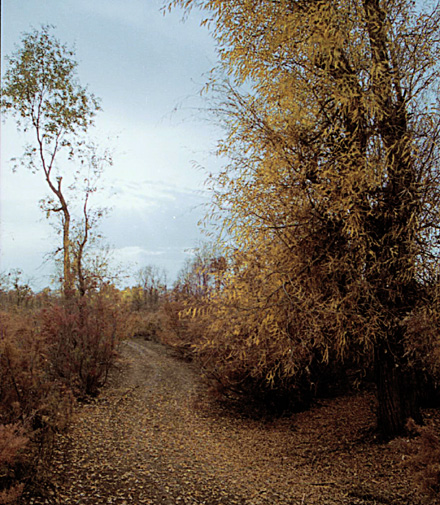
{"type": "Point", "coordinates": [143, 65]}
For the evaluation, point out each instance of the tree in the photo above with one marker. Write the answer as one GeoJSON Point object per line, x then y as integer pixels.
{"type": "Point", "coordinates": [13, 289]}
{"type": "Point", "coordinates": [40, 88]}
{"type": "Point", "coordinates": [331, 191]}
{"type": "Point", "coordinates": [89, 272]}
{"type": "Point", "coordinates": [197, 278]}
{"type": "Point", "coordinates": [150, 289]}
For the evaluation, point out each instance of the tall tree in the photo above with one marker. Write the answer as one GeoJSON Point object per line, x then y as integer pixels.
{"type": "Point", "coordinates": [333, 183]}
{"type": "Point", "coordinates": [41, 89]}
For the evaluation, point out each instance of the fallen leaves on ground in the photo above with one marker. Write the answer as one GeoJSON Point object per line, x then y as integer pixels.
{"type": "Point", "coordinates": [155, 436]}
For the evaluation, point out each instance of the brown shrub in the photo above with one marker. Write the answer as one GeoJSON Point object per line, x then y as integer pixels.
{"type": "Point", "coordinates": [13, 443]}
{"type": "Point", "coordinates": [27, 392]}
{"type": "Point", "coordinates": [83, 336]}
{"type": "Point", "coordinates": [180, 329]}
{"type": "Point", "coordinates": [33, 405]}
{"type": "Point", "coordinates": [11, 495]}
{"type": "Point", "coordinates": [145, 324]}
{"type": "Point", "coordinates": [425, 458]}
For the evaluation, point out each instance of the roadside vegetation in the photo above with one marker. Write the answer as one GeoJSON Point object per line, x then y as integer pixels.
{"type": "Point", "coordinates": [53, 352]}
{"type": "Point", "coordinates": [56, 347]}
{"type": "Point", "coordinates": [324, 280]}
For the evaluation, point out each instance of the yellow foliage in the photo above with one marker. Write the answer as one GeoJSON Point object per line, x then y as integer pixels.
{"type": "Point", "coordinates": [328, 201]}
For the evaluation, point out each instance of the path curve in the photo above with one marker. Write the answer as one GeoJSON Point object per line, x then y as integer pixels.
{"type": "Point", "coordinates": [155, 437]}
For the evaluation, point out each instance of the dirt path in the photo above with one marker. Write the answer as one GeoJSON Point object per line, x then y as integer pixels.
{"type": "Point", "coordinates": [155, 437]}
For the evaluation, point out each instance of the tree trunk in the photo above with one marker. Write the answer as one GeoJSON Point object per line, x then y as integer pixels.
{"type": "Point", "coordinates": [81, 244]}
{"type": "Point", "coordinates": [396, 394]}
{"type": "Point", "coordinates": [392, 230]}
{"type": "Point", "coordinates": [68, 287]}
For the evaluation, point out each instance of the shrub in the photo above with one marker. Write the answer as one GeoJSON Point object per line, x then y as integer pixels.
{"type": "Point", "coordinates": [180, 329]}
{"type": "Point", "coordinates": [145, 324]}
{"type": "Point", "coordinates": [83, 335]}
{"type": "Point", "coordinates": [44, 357]}
{"type": "Point", "coordinates": [33, 405]}
{"type": "Point", "coordinates": [13, 442]}
{"type": "Point", "coordinates": [423, 349]}
{"type": "Point", "coordinates": [425, 458]}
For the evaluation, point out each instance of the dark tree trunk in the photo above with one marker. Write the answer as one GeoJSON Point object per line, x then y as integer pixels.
{"type": "Point", "coordinates": [396, 391]}
{"type": "Point", "coordinates": [392, 231]}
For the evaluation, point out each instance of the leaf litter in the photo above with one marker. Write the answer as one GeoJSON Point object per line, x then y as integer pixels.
{"type": "Point", "coordinates": [155, 436]}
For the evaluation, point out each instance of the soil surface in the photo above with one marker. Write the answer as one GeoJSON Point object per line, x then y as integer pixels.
{"type": "Point", "coordinates": [156, 436]}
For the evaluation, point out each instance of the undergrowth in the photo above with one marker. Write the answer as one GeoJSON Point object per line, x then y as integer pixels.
{"type": "Point", "coordinates": [49, 357]}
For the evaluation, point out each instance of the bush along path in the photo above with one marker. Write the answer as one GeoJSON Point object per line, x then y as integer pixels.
{"type": "Point", "coordinates": [155, 436]}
